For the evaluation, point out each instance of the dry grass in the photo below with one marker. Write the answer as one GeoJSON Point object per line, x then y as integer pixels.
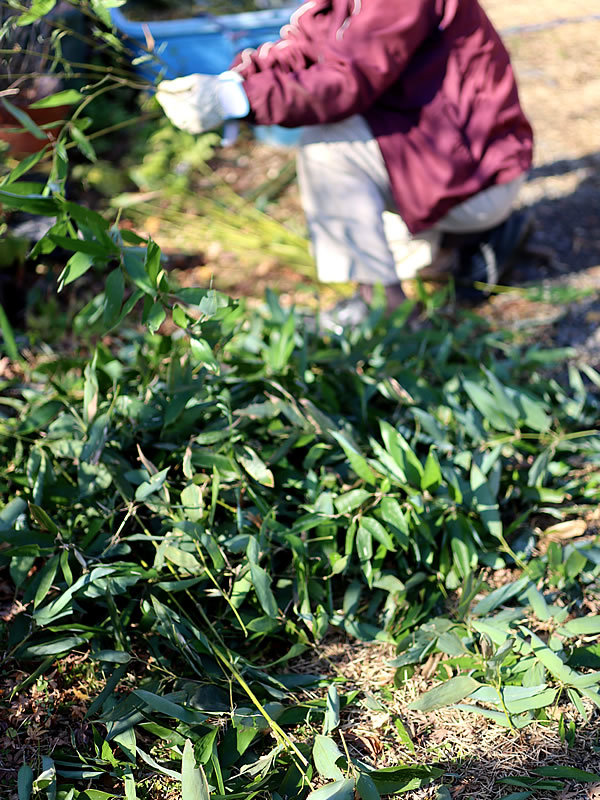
{"type": "Point", "coordinates": [473, 751]}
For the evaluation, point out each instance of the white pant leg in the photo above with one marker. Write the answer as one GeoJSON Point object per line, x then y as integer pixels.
{"type": "Point", "coordinates": [347, 199]}
{"type": "Point", "coordinates": [344, 188]}
{"type": "Point", "coordinates": [484, 210]}
{"type": "Point", "coordinates": [411, 253]}
{"type": "Point", "coordinates": [479, 213]}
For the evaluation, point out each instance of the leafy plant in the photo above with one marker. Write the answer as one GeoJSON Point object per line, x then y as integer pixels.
{"type": "Point", "coordinates": [197, 499]}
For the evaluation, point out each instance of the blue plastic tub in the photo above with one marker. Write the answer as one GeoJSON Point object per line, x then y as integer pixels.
{"type": "Point", "coordinates": [206, 44]}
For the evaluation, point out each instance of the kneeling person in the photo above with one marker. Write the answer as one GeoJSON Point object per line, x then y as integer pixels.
{"type": "Point", "coordinates": [414, 143]}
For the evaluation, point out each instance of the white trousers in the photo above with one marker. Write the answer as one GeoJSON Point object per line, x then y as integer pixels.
{"type": "Point", "coordinates": [355, 233]}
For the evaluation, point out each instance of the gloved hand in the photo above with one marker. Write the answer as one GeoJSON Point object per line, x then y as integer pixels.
{"type": "Point", "coordinates": [198, 103]}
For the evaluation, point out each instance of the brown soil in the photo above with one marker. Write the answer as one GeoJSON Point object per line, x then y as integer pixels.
{"type": "Point", "coordinates": [474, 753]}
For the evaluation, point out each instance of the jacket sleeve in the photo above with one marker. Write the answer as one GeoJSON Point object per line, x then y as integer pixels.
{"type": "Point", "coordinates": [356, 62]}
{"type": "Point", "coordinates": [286, 55]}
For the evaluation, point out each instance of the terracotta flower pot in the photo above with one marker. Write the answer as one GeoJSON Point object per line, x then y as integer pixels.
{"type": "Point", "coordinates": [21, 142]}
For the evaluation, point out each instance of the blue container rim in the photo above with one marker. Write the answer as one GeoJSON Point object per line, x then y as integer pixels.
{"type": "Point", "coordinates": [227, 23]}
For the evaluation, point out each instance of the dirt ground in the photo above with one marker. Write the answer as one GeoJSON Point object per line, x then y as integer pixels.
{"type": "Point", "coordinates": [558, 68]}
{"type": "Point", "coordinates": [474, 754]}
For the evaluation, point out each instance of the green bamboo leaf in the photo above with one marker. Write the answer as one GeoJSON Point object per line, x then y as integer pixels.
{"type": "Point", "coordinates": [485, 502]}
{"type": "Point", "coordinates": [366, 787]}
{"type": "Point", "coordinates": [133, 261]}
{"type": "Point", "coordinates": [8, 336]}
{"type": "Point", "coordinates": [129, 784]}
{"type": "Point", "coordinates": [67, 97]}
{"type": "Point", "coordinates": [151, 486]}
{"type": "Point", "coordinates": [25, 120]}
{"type": "Point", "coordinates": [168, 708]}
{"type": "Point", "coordinates": [332, 711]}
{"type": "Point", "coordinates": [194, 785]}
{"type": "Point", "coordinates": [462, 545]}
{"type": "Point", "coordinates": [10, 514]}
{"type": "Point", "coordinates": [391, 780]}
{"type": "Point", "coordinates": [498, 717]}
{"type": "Point", "coordinates": [587, 680]}
{"type": "Point", "coordinates": [126, 738]}
{"type": "Point", "coordinates": [101, 9]}
{"type": "Point", "coordinates": [387, 465]}
{"type": "Point", "coordinates": [20, 565]}
{"type": "Point", "coordinates": [60, 606]}
{"type": "Point", "coordinates": [23, 167]}
{"type": "Point", "coordinates": [192, 502]}
{"type": "Point", "coordinates": [25, 782]}
{"type": "Point", "coordinates": [432, 475]}
{"type": "Point", "coordinates": [43, 519]}
{"type": "Point", "coordinates": [83, 143]}
{"type": "Point", "coordinates": [399, 449]}
{"type": "Point", "coordinates": [262, 585]}
{"type": "Point", "coordinates": [357, 461]}
{"type": "Point", "coordinates": [47, 778]}
{"type": "Point", "coordinates": [568, 773]}
{"type": "Point", "coordinates": [364, 544]}
{"type": "Point", "coordinates": [37, 9]}
{"type": "Point", "coordinates": [203, 354]}
{"type": "Point", "coordinates": [128, 307]}
{"type": "Point", "coordinates": [112, 656]}
{"type": "Point", "coordinates": [76, 266]}
{"type": "Point", "coordinates": [538, 784]}
{"type": "Point", "coordinates": [154, 314]}
{"type": "Point", "coordinates": [447, 693]}
{"type": "Point", "coordinates": [338, 790]}
{"type": "Point", "coordinates": [588, 656]}
{"type": "Point", "coordinates": [500, 596]}
{"type": "Point", "coordinates": [575, 698]}
{"type": "Point", "coordinates": [538, 603]}
{"type": "Point", "coordinates": [592, 695]}
{"type": "Point", "coordinates": [30, 203]}
{"type": "Point", "coordinates": [392, 514]}
{"type": "Point", "coordinates": [487, 406]}
{"type": "Point", "coordinates": [350, 501]}
{"type": "Point", "coordinates": [378, 532]}
{"type": "Point", "coordinates": [539, 469]}
{"type": "Point", "coordinates": [326, 754]}
{"type": "Point", "coordinates": [114, 290]}
{"type": "Point", "coordinates": [517, 699]}
{"type": "Point", "coordinates": [502, 396]}
{"type": "Point", "coordinates": [183, 559]}
{"type": "Point", "coordinates": [55, 647]}
{"type": "Point", "coordinates": [404, 735]}
{"type": "Point", "coordinates": [100, 249]}
{"type": "Point", "coordinates": [552, 661]}
{"type": "Point", "coordinates": [47, 575]}
{"type": "Point", "coordinates": [255, 467]}
{"type": "Point", "coordinates": [532, 411]}
{"type": "Point", "coordinates": [582, 626]}
{"type": "Point", "coordinates": [451, 644]}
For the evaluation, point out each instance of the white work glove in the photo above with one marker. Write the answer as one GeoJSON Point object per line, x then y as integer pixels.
{"type": "Point", "coordinates": [198, 103]}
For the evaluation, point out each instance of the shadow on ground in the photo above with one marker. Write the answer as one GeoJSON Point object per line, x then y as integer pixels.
{"type": "Point", "coordinates": [564, 198]}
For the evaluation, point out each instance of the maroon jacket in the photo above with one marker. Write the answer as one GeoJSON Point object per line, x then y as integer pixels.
{"type": "Point", "coordinates": [431, 77]}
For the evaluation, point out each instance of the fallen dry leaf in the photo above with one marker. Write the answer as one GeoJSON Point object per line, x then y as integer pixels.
{"type": "Point", "coordinates": [570, 529]}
